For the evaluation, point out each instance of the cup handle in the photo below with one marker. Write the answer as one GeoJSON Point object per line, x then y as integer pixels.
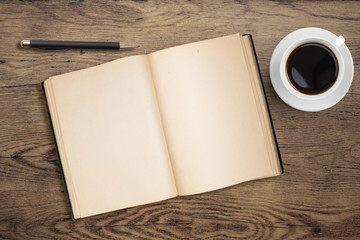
{"type": "Point", "coordinates": [339, 41]}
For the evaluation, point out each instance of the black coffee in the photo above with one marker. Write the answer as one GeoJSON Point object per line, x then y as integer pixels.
{"type": "Point", "coordinates": [312, 68]}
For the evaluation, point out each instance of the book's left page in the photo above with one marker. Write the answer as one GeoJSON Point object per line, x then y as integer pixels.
{"type": "Point", "coordinates": [109, 137]}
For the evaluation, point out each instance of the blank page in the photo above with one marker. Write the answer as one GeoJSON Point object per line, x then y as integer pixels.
{"type": "Point", "coordinates": [110, 138]}
{"type": "Point", "coordinates": [210, 116]}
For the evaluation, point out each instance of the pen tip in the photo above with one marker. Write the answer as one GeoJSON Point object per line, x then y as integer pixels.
{"type": "Point", "coordinates": [128, 46]}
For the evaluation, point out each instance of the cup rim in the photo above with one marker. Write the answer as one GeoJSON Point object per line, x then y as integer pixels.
{"type": "Point", "coordinates": [286, 56]}
{"type": "Point", "coordinates": [327, 44]}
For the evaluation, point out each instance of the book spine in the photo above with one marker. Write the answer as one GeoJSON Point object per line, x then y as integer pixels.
{"type": "Point", "coordinates": [267, 103]}
{"type": "Point", "coordinates": [56, 148]}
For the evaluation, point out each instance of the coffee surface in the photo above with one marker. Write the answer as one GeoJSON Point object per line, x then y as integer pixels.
{"type": "Point", "coordinates": [312, 68]}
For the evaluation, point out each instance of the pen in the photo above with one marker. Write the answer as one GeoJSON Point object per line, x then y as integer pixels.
{"type": "Point", "coordinates": [75, 44]}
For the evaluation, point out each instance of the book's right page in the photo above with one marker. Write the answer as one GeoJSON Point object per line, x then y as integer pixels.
{"type": "Point", "coordinates": [214, 114]}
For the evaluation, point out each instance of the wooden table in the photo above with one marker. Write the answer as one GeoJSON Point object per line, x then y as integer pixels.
{"type": "Point", "coordinates": [317, 197]}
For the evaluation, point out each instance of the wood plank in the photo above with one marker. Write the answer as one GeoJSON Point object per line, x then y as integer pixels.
{"type": "Point", "coordinates": [154, 26]}
{"type": "Point", "coordinates": [201, 216]}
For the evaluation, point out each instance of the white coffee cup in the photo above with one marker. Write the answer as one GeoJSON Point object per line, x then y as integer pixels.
{"type": "Point", "coordinates": [292, 96]}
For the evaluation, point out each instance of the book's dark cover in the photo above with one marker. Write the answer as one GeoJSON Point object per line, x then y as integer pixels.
{"type": "Point", "coordinates": [56, 147]}
{"type": "Point", "coordinates": [267, 103]}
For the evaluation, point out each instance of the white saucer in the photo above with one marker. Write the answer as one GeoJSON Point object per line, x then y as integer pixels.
{"type": "Point", "coordinates": [288, 93]}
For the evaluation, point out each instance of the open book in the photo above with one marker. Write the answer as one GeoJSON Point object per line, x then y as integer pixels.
{"type": "Point", "coordinates": [179, 121]}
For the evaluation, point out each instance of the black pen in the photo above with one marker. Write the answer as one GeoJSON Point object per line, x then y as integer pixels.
{"type": "Point", "coordinates": [75, 44]}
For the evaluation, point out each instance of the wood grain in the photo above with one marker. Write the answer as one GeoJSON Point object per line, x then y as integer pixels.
{"type": "Point", "coordinates": [316, 198]}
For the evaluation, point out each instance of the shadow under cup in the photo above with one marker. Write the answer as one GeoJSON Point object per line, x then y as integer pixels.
{"type": "Point", "coordinates": [312, 68]}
